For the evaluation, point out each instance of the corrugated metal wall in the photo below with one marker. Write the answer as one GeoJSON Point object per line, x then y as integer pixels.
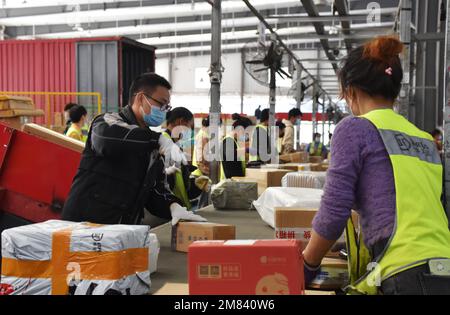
{"type": "Point", "coordinates": [98, 71]}
{"type": "Point", "coordinates": [39, 66]}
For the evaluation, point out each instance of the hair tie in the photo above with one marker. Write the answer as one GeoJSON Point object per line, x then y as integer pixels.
{"type": "Point", "coordinates": [388, 71]}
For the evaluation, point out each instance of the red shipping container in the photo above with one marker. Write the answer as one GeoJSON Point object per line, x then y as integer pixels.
{"type": "Point", "coordinates": [241, 267]}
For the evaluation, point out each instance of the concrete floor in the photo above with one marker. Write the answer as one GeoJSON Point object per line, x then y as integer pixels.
{"type": "Point", "coordinates": [172, 266]}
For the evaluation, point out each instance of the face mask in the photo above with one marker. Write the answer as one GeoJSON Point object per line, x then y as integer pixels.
{"type": "Point", "coordinates": [317, 139]}
{"type": "Point", "coordinates": [298, 121]}
{"type": "Point", "coordinates": [186, 135]}
{"type": "Point", "coordinates": [155, 118]}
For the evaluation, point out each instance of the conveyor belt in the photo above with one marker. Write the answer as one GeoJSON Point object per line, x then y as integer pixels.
{"type": "Point", "coordinates": [172, 266]}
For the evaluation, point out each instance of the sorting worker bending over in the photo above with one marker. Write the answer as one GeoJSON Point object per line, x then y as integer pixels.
{"type": "Point", "coordinates": [180, 122]}
{"type": "Point", "coordinates": [395, 187]}
{"type": "Point", "coordinates": [78, 116]}
{"type": "Point", "coordinates": [233, 150]}
{"type": "Point", "coordinates": [121, 166]}
{"type": "Point", "coordinates": [294, 116]}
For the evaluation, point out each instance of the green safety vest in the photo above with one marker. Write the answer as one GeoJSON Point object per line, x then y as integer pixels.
{"type": "Point", "coordinates": [312, 150]}
{"type": "Point", "coordinates": [84, 132]}
{"type": "Point", "coordinates": [421, 227]}
{"type": "Point", "coordinates": [179, 190]}
{"type": "Point", "coordinates": [252, 157]}
{"type": "Point", "coordinates": [222, 172]}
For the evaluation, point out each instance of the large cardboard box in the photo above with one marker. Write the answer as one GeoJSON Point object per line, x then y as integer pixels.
{"type": "Point", "coordinates": [246, 267]}
{"type": "Point", "coordinates": [296, 223]}
{"type": "Point", "coordinates": [333, 275]}
{"type": "Point", "coordinates": [185, 233]}
{"type": "Point", "coordinates": [266, 177]}
{"type": "Point", "coordinates": [296, 157]}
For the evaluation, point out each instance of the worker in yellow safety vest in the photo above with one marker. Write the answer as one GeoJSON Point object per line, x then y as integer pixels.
{"type": "Point", "coordinates": [317, 148]}
{"type": "Point", "coordinates": [402, 245]}
{"type": "Point", "coordinates": [233, 149]}
{"type": "Point", "coordinates": [260, 142]}
{"type": "Point", "coordinates": [180, 122]}
{"type": "Point", "coordinates": [78, 117]}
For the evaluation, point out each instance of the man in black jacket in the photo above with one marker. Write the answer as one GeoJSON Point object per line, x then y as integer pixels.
{"type": "Point", "coordinates": [121, 168]}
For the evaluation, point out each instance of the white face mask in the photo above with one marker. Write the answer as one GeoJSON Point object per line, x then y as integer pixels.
{"type": "Point", "coordinates": [317, 139]}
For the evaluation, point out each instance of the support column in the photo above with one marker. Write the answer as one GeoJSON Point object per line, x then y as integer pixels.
{"type": "Point", "coordinates": [216, 79]}
{"type": "Point", "coordinates": [405, 37]}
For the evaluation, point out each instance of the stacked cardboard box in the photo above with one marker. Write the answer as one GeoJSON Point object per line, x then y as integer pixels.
{"type": "Point", "coordinates": [246, 267]}
{"type": "Point", "coordinates": [186, 233]}
{"type": "Point", "coordinates": [16, 111]}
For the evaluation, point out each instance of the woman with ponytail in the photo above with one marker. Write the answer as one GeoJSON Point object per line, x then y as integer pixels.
{"type": "Point", "coordinates": [390, 172]}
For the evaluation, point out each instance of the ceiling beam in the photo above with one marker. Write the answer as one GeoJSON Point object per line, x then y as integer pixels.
{"type": "Point", "coordinates": [312, 11]}
{"type": "Point", "coordinates": [139, 13]}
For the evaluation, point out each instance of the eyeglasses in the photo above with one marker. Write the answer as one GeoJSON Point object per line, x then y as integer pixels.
{"type": "Point", "coordinates": [162, 106]}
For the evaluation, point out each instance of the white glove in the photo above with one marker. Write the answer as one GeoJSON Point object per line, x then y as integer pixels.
{"type": "Point", "coordinates": [172, 170]}
{"type": "Point", "coordinates": [181, 213]}
{"type": "Point", "coordinates": [172, 153]}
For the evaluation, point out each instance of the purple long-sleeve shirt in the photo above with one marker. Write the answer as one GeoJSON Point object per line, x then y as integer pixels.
{"type": "Point", "coordinates": [360, 177]}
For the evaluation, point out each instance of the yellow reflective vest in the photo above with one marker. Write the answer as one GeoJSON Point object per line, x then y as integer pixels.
{"type": "Point", "coordinates": [421, 229]}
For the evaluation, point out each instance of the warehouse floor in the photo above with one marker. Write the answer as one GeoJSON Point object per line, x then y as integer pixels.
{"type": "Point", "coordinates": [172, 266]}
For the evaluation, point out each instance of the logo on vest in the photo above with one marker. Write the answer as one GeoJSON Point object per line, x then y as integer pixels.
{"type": "Point", "coordinates": [410, 145]}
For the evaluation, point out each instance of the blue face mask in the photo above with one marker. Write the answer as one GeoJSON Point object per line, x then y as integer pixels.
{"type": "Point", "coordinates": [298, 121]}
{"type": "Point", "coordinates": [155, 118]}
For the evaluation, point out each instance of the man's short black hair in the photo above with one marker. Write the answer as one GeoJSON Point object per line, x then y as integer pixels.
{"type": "Point", "coordinates": [317, 135]}
{"type": "Point", "coordinates": [264, 115]}
{"type": "Point", "coordinates": [147, 82]}
{"type": "Point", "coordinates": [76, 113]}
{"type": "Point", "coordinates": [69, 106]}
{"type": "Point", "coordinates": [280, 124]}
{"type": "Point", "coordinates": [294, 113]}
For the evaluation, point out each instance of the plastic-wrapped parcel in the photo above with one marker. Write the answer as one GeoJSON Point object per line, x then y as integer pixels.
{"type": "Point", "coordinates": [61, 257]}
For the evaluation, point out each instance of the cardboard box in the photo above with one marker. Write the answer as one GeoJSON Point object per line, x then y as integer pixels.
{"type": "Point", "coordinates": [58, 119]}
{"type": "Point", "coordinates": [15, 102]}
{"type": "Point", "coordinates": [185, 233]}
{"type": "Point", "coordinates": [21, 112]}
{"type": "Point", "coordinates": [315, 159]}
{"type": "Point", "coordinates": [54, 137]}
{"type": "Point", "coordinates": [333, 275]}
{"type": "Point", "coordinates": [246, 267]}
{"type": "Point", "coordinates": [266, 177]}
{"type": "Point", "coordinates": [177, 289]}
{"type": "Point", "coordinates": [288, 166]}
{"type": "Point", "coordinates": [296, 157]}
{"type": "Point", "coordinates": [296, 223]}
